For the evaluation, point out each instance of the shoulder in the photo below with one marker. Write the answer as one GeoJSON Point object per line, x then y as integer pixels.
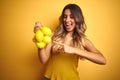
{"type": "Point", "coordinates": [88, 45]}
{"type": "Point", "coordinates": [86, 41]}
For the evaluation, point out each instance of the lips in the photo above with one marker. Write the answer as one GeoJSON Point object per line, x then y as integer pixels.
{"type": "Point", "coordinates": [68, 25]}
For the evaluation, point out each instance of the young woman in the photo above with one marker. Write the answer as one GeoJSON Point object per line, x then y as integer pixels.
{"type": "Point", "coordinates": [69, 44]}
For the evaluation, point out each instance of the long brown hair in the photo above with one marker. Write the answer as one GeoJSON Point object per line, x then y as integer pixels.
{"type": "Point", "coordinates": [80, 26]}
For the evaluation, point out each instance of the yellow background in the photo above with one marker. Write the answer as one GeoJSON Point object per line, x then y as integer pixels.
{"type": "Point", "coordinates": [18, 54]}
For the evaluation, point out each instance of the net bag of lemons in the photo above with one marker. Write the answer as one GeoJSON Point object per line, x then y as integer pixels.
{"type": "Point", "coordinates": [42, 37]}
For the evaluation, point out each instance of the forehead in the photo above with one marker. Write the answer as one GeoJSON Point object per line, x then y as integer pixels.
{"type": "Point", "coordinates": [67, 11]}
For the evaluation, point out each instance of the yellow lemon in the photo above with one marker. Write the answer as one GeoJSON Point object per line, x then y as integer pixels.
{"type": "Point", "coordinates": [39, 35]}
{"type": "Point", "coordinates": [47, 39]}
{"type": "Point", "coordinates": [40, 44]}
{"type": "Point", "coordinates": [46, 31]}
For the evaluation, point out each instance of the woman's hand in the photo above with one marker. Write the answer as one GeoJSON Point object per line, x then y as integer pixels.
{"type": "Point", "coordinates": [37, 26]}
{"type": "Point", "coordinates": [63, 48]}
{"type": "Point", "coordinates": [68, 49]}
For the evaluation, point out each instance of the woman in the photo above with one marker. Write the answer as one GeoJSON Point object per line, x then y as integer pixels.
{"type": "Point", "coordinates": [68, 45]}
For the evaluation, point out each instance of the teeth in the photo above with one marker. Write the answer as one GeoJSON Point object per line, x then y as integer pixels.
{"type": "Point", "coordinates": [68, 24]}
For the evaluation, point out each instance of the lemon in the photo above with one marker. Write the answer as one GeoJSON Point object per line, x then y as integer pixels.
{"type": "Point", "coordinates": [46, 31]}
{"type": "Point", "coordinates": [47, 39]}
{"type": "Point", "coordinates": [39, 35]}
{"type": "Point", "coordinates": [40, 44]}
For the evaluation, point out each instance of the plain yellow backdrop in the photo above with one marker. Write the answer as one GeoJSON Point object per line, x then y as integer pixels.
{"type": "Point", "coordinates": [18, 54]}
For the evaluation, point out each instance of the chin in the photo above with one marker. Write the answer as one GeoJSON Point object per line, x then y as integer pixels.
{"type": "Point", "coordinates": [69, 29]}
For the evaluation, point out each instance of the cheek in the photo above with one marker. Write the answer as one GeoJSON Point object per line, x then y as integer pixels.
{"type": "Point", "coordinates": [64, 20]}
{"type": "Point", "coordinates": [73, 21]}
{"type": "Point", "coordinates": [73, 27]}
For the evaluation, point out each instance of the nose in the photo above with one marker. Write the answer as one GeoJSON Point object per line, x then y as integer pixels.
{"type": "Point", "coordinates": [67, 19]}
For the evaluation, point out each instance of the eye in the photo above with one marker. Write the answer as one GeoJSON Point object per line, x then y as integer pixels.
{"type": "Point", "coordinates": [64, 16]}
{"type": "Point", "coordinates": [71, 16]}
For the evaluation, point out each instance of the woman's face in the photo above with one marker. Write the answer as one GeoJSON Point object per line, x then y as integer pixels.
{"type": "Point", "coordinates": [68, 20]}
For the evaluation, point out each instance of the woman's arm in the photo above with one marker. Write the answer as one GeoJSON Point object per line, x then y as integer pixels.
{"type": "Point", "coordinates": [90, 52]}
{"type": "Point", "coordinates": [44, 53]}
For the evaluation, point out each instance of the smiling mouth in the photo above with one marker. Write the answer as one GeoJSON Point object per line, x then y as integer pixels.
{"type": "Point", "coordinates": [68, 25]}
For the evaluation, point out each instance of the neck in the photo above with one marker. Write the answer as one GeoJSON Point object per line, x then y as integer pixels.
{"type": "Point", "coordinates": [69, 34]}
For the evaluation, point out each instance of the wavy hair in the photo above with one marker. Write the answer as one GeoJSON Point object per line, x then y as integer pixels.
{"type": "Point", "coordinates": [80, 27]}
